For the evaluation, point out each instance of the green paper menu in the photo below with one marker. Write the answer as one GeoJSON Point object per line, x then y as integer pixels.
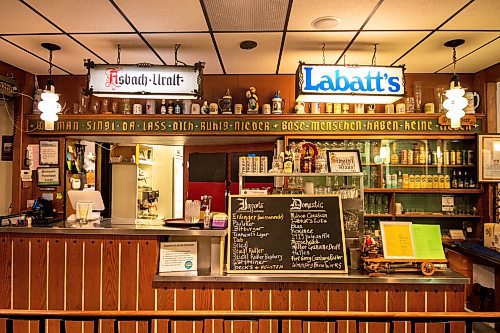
{"type": "Point", "coordinates": [427, 241]}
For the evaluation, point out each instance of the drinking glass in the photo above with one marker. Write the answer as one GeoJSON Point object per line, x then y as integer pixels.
{"type": "Point", "coordinates": [439, 99]}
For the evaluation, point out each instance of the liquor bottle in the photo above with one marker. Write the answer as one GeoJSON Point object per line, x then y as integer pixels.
{"type": "Point", "coordinates": [472, 183]}
{"type": "Point", "coordinates": [170, 107]}
{"type": "Point", "coordinates": [416, 151]}
{"type": "Point", "coordinates": [287, 162]}
{"type": "Point", "coordinates": [163, 107]}
{"type": "Point", "coordinates": [394, 155]}
{"type": "Point", "coordinates": [447, 181]}
{"type": "Point", "coordinates": [307, 161]}
{"type": "Point", "coordinates": [454, 180]}
{"type": "Point", "coordinates": [429, 157]}
{"type": "Point", "coordinates": [177, 107]}
{"type": "Point", "coordinates": [422, 156]}
{"type": "Point", "coordinates": [400, 180]}
{"type": "Point", "coordinates": [460, 180]}
{"type": "Point", "coordinates": [466, 180]}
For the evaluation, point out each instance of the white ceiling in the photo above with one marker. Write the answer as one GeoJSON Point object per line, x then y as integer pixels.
{"type": "Point", "coordinates": [410, 32]}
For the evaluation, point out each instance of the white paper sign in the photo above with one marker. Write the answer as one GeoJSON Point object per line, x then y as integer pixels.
{"type": "Point", "coordinates": [178, 257]}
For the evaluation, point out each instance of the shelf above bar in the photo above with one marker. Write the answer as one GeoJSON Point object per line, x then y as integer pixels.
{"type": "Point", "coordinates": [423, 190]}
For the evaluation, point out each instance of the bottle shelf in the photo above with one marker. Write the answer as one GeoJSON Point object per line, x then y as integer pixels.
{"type": "Point", "coordinates": [299, 174]}
{"type": "Point", "coordinates": [448, 166]}
{"type": "Point", "coordinates": [378, 215]}
{"type": "Point", "coordinates": [438, 215]}
{"type": "Point", "coordinates": [426, 191]}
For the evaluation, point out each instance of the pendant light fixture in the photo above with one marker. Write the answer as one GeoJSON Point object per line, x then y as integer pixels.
{"type": "Point", "coordinates": [455, 101]}
{"type": "Point", "coordinates": [49, 105]}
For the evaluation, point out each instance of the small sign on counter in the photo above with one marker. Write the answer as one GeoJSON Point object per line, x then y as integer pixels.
{"type": "Point", "coordinates": [178, 257]}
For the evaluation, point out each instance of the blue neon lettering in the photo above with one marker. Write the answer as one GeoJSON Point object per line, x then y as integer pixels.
{"type": "Point", "coordinates": [373, 81]}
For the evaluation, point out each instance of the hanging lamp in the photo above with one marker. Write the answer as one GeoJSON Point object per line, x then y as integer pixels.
{"type": "Point", "coordinates": [455, 101]}
{"type": "Point", "coordinates": [49, 105]}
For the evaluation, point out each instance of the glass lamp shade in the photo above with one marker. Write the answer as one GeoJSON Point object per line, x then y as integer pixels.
{"type": "Point", "coordinates": [49, 106]}
{"type": "Point", "coordinates": [49, 116]}
{"type": "Point", "coordinates": [455, 122]}
{"type": "Point", "coordinates": [49, 96]}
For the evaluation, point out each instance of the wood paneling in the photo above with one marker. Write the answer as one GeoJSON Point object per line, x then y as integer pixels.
{"type": "Point", "coordinates": [128, 280]}
{"type": "Point", "coordinates": [75, 273]}
{"type": "Point", "coordinates": [396, 302]}
{"type": "Point", "coordinates": [5, 275]}
{"type": "Point", "coordinates": [110, 263]}
{"type": "Point", "coordinates": [38, 276]}
{"type": "Point", "coordinates": [92, 278]}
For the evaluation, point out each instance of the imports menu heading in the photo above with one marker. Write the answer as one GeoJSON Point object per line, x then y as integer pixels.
{"type": "Point", "coordinates": [288, 234]}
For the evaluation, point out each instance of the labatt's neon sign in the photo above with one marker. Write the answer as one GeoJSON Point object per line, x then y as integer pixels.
{"type": "Point", "coordinates": [139, 81]}
{"type": "Point", "coordinates": [350, 84]}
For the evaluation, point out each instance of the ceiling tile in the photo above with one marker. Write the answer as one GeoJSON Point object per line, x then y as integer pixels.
{"type": "Point", "coordinates": [70, 57]}
{"type": "Point", "coordinates": [195, 47]}
{"type": "Point", "coordinates": [432, 55]}
{"type": "Point", "coordinates": [133, 49]}
{"type": "Point", "coordinates": [351, 13]}
{"type": "Point", "coordinates": [411, 14]}
{"type": "Point", "coordinates": [483, 58]}
{"type": "Point", "coordinates": [391, 45]}
{"type": "Point", "coordinates": [21, 59]}
{"type": "Point", "coordinates": [16, 18]}
{"type": "Point", "coordinates": [481, 14]}
{"type": "Point", "coordinates": [82, 16]}
{"type": "Point", "coordinates": [164, 15]}
{"type": "Point", "coordinates": [306, 47]}
{"type": "Point", "coordinates": [244, 15]}
{"type": "Point", "coordinates": [260, 60]}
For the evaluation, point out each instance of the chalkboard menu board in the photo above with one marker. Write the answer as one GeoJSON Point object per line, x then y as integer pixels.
{"type": "Point", "coordinates": [286, 234]}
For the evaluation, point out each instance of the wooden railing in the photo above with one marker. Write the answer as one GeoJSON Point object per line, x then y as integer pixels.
{"type": "Point", "coordinates": [447, 318]}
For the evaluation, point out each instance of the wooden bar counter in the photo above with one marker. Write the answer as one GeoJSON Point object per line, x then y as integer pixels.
{"type": "Point", "coordinates": [115, 268]}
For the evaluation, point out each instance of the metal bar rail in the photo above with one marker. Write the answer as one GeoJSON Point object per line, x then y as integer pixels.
{"type": "Point", "coordinates": [468, 318]}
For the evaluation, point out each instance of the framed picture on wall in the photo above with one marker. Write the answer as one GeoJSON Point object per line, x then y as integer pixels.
{"type": "Point", "coordinates": [488, 157]}
{"type": "Point", "coordinates": [7, 147]}
{"type": "Point", "coordinates": [344, 161]}
{"type": "Point", "coordinates": [49, 152]}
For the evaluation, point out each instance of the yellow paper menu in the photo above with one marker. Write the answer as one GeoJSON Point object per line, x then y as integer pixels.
{"type": "Point", "coordinates": [427, 241]}
{"type": "Point", "coordinates": [397, 240]}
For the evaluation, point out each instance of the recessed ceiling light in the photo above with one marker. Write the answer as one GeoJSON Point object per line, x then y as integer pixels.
{"type": "Point", "coordinates": [248, 44]}
{"type": "Point", "coordinates": [325, 23]}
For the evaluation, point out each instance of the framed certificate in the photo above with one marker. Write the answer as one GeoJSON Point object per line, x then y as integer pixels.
{"type": "Point", "coordinates": [344, 161]}
{"type": "Point", "coordinates": [49, 152]}
{"type": "Point", "coordinates": [488, 158]}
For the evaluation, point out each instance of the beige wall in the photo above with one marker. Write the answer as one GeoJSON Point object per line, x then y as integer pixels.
{"type": "Point", "coordinates": [5, 167]}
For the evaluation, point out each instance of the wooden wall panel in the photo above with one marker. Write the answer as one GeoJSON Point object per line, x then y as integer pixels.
{"type": "Point", "coordinates": [260, 301]}
{"type": "Point", "coordinates": [92, 278]}
{"type": "Point", "coordinates": [396, 302]}
{"type": "Point", "coordinates": [357, 302]}
{"type": "Point", "coordinates": [74, 279]}
{"type": "Point", "coordinates": [455, 301]}
{"type": "Point", "coordinates": [435, 303]}
{"type": "Point", "coordinates": [184, 300]}
{"type": "Point", "coordinates": [128, 281]}
{"type": "Point", "coordinates": [38, 275]}
{"type": "Point", "coordinates": [318, 300]}
{"type": "Point", "coordinates": [5, 275]}
{"type": "Point", "coordinates": [202, 301]}
{"type": "Point", "coordinates": [241, 301]}
{"type": "Point", "coordinates": [376, 302]}
{"type": "Point", "coordinates": [165, 301]}
{"type": "Point", "coordinates": [20, 279]}
{"type": "Point", "coordinates": [299, 301]}
{"type": "Point", "coordinates": [338, 302]}
{"type": "Point", "coordinates": [56, 278]}
{"type": "Point", "coordinates": [222, 301]}
{"type": "Point", "coordinates": [416, 303]}
{"type": "Point", "coordinates": [110, 263]}
{"type": "Point", "coordinates": [148, 263]}
{"type": "Point", "coordinates": [280, 301]}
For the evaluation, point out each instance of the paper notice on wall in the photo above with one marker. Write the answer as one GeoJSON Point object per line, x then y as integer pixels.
{"type": "Point", "coordinates": [178, 257]}
{"type": "Point", "coordinates": [34, 156]}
